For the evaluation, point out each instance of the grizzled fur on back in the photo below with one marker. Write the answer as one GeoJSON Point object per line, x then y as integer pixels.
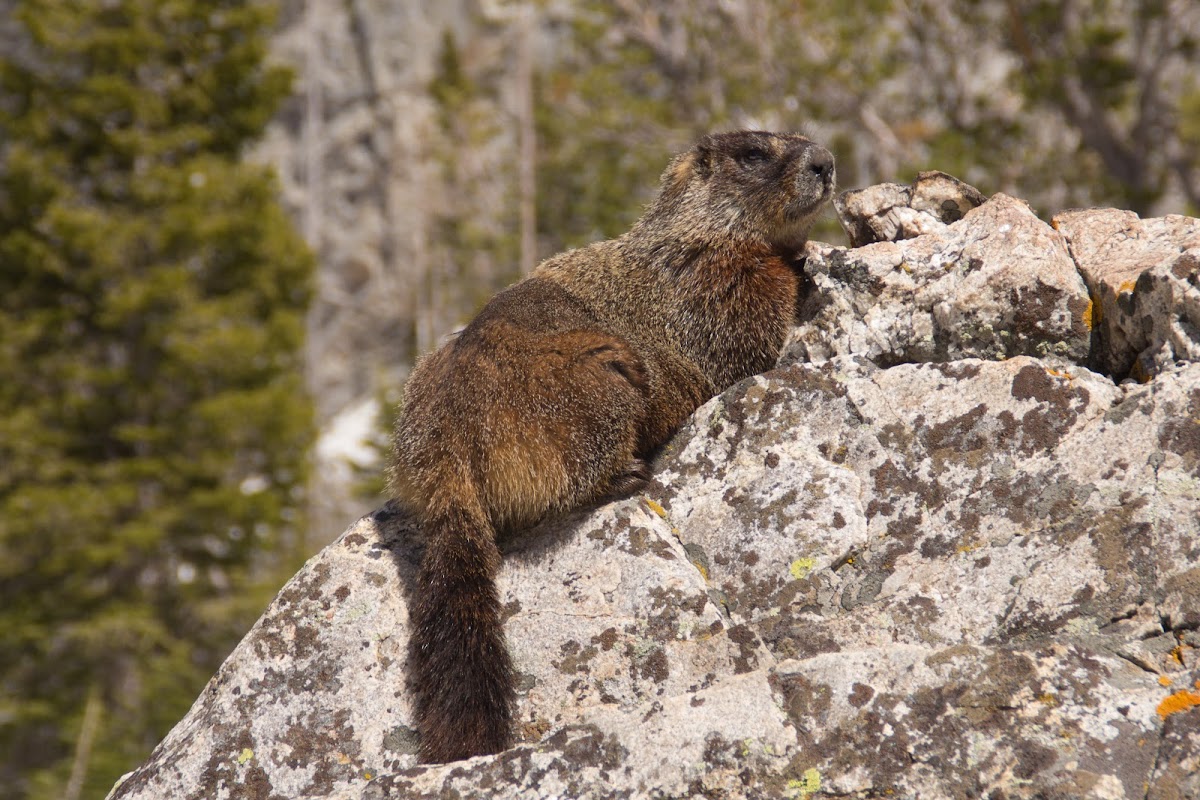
{"type": "Point", "coordinates": [563, 386]}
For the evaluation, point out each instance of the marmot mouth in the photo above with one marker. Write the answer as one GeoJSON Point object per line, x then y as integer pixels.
{"type": "Point", "coordinates": [798, 216]}
{"type": "Point", "coordinates": [797, 210]}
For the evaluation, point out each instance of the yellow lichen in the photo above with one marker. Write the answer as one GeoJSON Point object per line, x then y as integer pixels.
{"type": "Point", "coordinates": [1126, 287]}
{"type": "Point", "coordinates": [801, 567]}
{"type": "Point", "coordinates": [806, 785]}
{"type": "Point", "coordinates": [1180, 701]}
{"type": "Point", "coordinates": [1091, 314]}
{"type": "Point", "coordinates": [245, 755]}
{"type": "Point", "coordinates": [811, 779]}
{"type": "Point", "coordinates": [656, 508]}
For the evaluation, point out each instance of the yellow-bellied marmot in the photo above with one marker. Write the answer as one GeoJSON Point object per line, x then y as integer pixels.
{"type": "Point", "coordinates": [555, 395]}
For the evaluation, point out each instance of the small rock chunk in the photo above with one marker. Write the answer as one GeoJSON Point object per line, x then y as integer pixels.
{"type": "Point", "coordinates": [890, 212]}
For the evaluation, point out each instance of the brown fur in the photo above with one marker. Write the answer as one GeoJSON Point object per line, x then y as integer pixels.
{"type": "Point", "coordinates": [554, 396]}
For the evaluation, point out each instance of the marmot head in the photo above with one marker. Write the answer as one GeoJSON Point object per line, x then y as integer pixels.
{"type": "Point", "coordinates": [747, 186]}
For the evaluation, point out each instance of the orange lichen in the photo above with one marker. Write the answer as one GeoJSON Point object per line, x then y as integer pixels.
{"type": "Point", "coordinates": [1180, 701]}
{"type": "Point", "coordinates": [1091, 314]}
{"type": "Point", "coordinates": [1164, 680]}
{"type": "Point", "coordinates": [1127, 286]}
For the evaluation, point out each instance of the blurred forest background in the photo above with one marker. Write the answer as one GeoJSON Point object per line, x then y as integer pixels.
{"type": "Point", "coordinates": [227, 228]}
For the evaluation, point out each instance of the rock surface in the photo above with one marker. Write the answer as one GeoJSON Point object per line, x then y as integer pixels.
{"type": "Point", "coordinates": [932, 554]}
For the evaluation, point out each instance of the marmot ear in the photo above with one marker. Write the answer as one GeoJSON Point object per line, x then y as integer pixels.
{"type": "Point", "coordinates": [703, 161]}
{"type": "Point", "coordinates": [678, 173]}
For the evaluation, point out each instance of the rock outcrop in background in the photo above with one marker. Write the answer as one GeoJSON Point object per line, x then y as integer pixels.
{"type": "Point", "coordinates": [950, 547]}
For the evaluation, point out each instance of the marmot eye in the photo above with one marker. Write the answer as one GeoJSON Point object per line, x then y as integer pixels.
{"type": "Point", "coordinates": [755, 155]}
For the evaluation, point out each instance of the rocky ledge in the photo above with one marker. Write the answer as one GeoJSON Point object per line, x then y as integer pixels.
{"type": "Point", "coordinates": [950, 547]}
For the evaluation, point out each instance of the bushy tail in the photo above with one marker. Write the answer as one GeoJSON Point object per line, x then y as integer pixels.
{"type": "Point", "coordinates": [461, 672]}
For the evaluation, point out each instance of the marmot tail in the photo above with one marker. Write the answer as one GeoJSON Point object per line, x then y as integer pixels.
{"type": "Point", "coordinates": [461, 672]}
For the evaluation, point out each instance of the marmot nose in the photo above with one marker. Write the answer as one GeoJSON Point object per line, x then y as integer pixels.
{"type": "Point", "coordinates": [820, 163]}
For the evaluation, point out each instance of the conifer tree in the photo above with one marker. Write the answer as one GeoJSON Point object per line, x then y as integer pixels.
{"type": "Point", "coordinates": [153, 422]}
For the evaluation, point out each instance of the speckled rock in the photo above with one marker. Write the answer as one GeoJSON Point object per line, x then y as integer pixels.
{"type": "Point", "coordinates": [1014, 546]}
{"type": "Point", "coordinates": [1144, 276]}
{"type": "Point", "coordinates": [996, 284]}
{"type": "Point", "coordinates": [851, 576]}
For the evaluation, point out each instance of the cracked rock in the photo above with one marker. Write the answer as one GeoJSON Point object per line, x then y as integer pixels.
{"type": "Point", "coordinates": [1144, 276]}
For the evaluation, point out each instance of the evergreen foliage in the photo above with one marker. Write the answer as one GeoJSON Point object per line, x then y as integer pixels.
{"type": "Point", "coordinates": [153, 422]}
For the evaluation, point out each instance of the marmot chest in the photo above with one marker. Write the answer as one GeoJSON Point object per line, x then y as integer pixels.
{"type": "Point", "coordinates": [734, 320]}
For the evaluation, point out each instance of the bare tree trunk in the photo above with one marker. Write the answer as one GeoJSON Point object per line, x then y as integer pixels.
{"type": "Point", "coordinates": [423, 257]}
{"type": "Point", "coordinates": [527, 178]}
{"type": "Point", "coordinates": [314, 113]}
{"type": "Point", "coordinates": [83, 745]}
{"type": "Point", "coordinates": [313, 150]}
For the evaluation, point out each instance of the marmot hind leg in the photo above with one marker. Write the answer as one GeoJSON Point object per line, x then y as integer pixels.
{"type": "Point", "coordinates": [562, 425]}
